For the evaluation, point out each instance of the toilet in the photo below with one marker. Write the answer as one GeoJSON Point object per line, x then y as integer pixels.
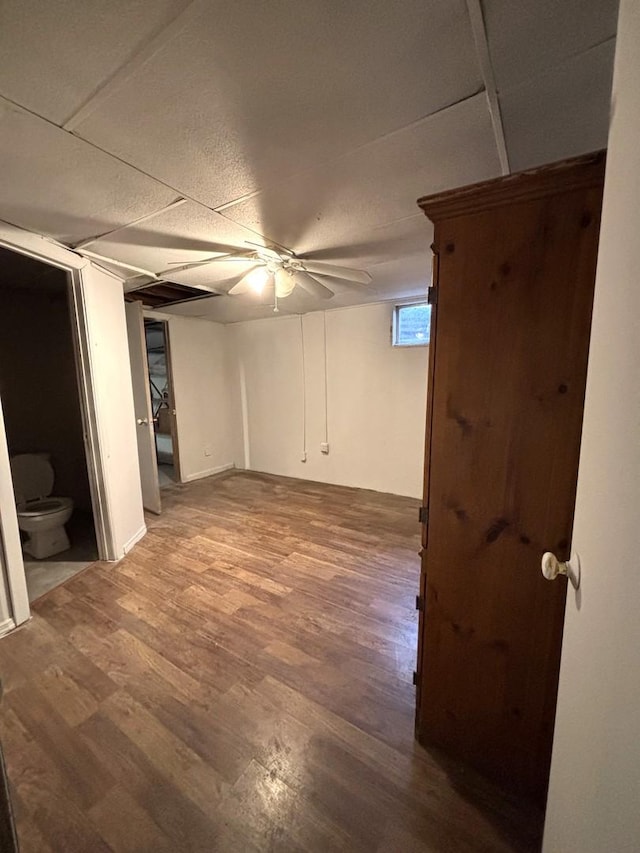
{"type": "Point", "coordinates": [39, 514]}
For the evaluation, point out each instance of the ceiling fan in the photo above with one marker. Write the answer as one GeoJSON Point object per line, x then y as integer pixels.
{"type": "Point", "coordinates": [284, 270]}
{"type": "Point", "coordinates": [267, 267]}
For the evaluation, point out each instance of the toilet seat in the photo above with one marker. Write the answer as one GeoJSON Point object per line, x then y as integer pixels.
{"type": "Point", "coordinates": [43, 506]}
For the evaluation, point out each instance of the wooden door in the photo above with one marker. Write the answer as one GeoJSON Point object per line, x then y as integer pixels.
{"type": "Point", "coordinates": [515, 270]}
{"type": "Point", "coordinates": [142, 404]}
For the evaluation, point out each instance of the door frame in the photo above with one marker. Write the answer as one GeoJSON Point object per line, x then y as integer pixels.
{"type": "Point", "coordinates": [175, 445]}
{"type": "Point", "coordinates": [53, 254]}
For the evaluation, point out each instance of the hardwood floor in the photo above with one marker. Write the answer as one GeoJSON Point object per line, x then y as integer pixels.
{"type": "Point", "coordinates": [241, 681]}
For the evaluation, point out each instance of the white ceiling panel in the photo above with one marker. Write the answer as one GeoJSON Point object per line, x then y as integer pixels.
{"type": "Point", "coordinates": [530, 37]}
{"type": "Point", "coordinates": [184, 234]}
{"type": "Point", "coordinates": [561, 114]}
{"type": "Point", "coordinates": [57, 185]}
{"type": "Point", "coordinates": [252, 93]}
{"type": "Point", "coordinates": [54, 54]}
{"type": "Point", "coordinates": [376, 184]}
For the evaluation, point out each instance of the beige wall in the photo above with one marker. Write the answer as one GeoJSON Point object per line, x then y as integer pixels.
{"type": "Point", "coordinates": [594, 794]}
{"type": "Point", "coordinates": [376, 399]}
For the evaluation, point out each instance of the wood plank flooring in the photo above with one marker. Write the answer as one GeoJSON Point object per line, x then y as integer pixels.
{"type": "Point", "coordinates": [241, 681]}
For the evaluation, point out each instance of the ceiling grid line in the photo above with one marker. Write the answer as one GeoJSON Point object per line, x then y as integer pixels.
{"type": "Point", "coordinates": [154, 213]}
{"type": "Point", "coordinates": [566, 61]}
{"type": "Point", "coordinates": [144, 54]}
{"type": "Point", "coordinates": [159, 181]}
{"type": "Point", "coordinates": [474, 8]}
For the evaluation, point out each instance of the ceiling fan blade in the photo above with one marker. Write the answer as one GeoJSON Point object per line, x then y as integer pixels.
{"type": "Point", "coordinates": [236, 256]}
{"type": "Point", "coordinates": [270, 252]}
{"type": "Point", "coordinates": [253, 281]}
{"type": "Point", "coordinates": [284, 283]}
{"type": "Point", "coordinates": [94, 256]}
{"type": "Point", "coordinates": [239, 288]}
{"type": "Point", "coordinates": [311, 285]}
{"type": "Point", "coordinates": [319, 267]}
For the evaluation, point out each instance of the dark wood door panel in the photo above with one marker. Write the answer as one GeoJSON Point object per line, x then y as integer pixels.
{"type": "Point", "coordinates": [515, 296]}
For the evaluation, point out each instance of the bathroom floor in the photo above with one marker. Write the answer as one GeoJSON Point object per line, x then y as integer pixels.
{"type": "Point", "coordinates": [43, 575]}
{"type": "Point", "coordinates": [166, 475]}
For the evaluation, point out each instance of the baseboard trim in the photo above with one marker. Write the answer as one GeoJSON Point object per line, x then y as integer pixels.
{"type": "Point", "coordinates": [200, 475]}
{"type": "Point", "coordinates": [134, 539]}
{"type": "Point", "coordinates": [6, 626]}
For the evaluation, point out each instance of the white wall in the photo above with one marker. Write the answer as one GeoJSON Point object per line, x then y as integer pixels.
{"type": "Point", "coordinates": [111, 372]}
{"type": "Point", "coordinates": [594, 795]}
{"type": "Point", "coordinates": [202, 395]}
{"type": "Point", "coordinates": [376, 399]}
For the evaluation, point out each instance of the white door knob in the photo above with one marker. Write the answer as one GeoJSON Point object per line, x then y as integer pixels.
{"type": "Point", "coordinates": [142, 421]}
{"type": "Point", "coordinates": [552, 567]}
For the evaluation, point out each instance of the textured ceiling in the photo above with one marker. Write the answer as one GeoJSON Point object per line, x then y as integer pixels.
{"type": "Point", "coordinates": [312, 123]}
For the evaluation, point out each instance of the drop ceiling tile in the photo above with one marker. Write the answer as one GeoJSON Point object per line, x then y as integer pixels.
{"type": "Point", "coordinates": [561, 114]}
{"type": "Point", "coordinates": [55, 184]}
{"type": "Point", "coordinates": [53, 55]}
{"type": "Point", "coordinates": [184, 234]}
{"type": "Point", "coordinates": [531, 37]}
{"type": "Point", "coordinates": [376, 184]}
{"type": "Point", "coordinates": [241, 100]}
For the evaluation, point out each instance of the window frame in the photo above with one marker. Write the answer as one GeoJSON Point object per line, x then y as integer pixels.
{"type": "Point", "coordinates": [395, 323]}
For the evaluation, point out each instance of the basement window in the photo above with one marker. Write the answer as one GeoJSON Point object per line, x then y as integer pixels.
{"type": "Point", "coordinates": [411, 325]}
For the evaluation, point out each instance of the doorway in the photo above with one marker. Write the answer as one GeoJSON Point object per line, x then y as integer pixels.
{"type": "Point", "coordinates": [162, 401]}
{"type": "Point", "coordinates": [44, 421]}
{"type": "Point", "coordinates": [154, 403]}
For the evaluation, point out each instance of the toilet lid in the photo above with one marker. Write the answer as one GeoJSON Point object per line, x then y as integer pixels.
{"type": "Point", "coordinates": [32, 477]}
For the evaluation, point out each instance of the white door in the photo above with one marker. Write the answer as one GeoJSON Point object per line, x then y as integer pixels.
{"type": "Point", "coordinates": [142, 405]}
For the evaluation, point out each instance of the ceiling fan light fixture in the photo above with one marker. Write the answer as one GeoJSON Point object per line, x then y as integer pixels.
{"type": "Point", "coordinates": [284, 282]}
{"type": "Point", "coordinates": [257, 279]}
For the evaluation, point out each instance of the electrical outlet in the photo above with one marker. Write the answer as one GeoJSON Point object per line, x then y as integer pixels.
{"type": "Point", "coordinates": [207, 450]}
{"type": "Point", "coordinates": [324, 447]}
{"type": "Point", "coordinates": [303, 456]}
